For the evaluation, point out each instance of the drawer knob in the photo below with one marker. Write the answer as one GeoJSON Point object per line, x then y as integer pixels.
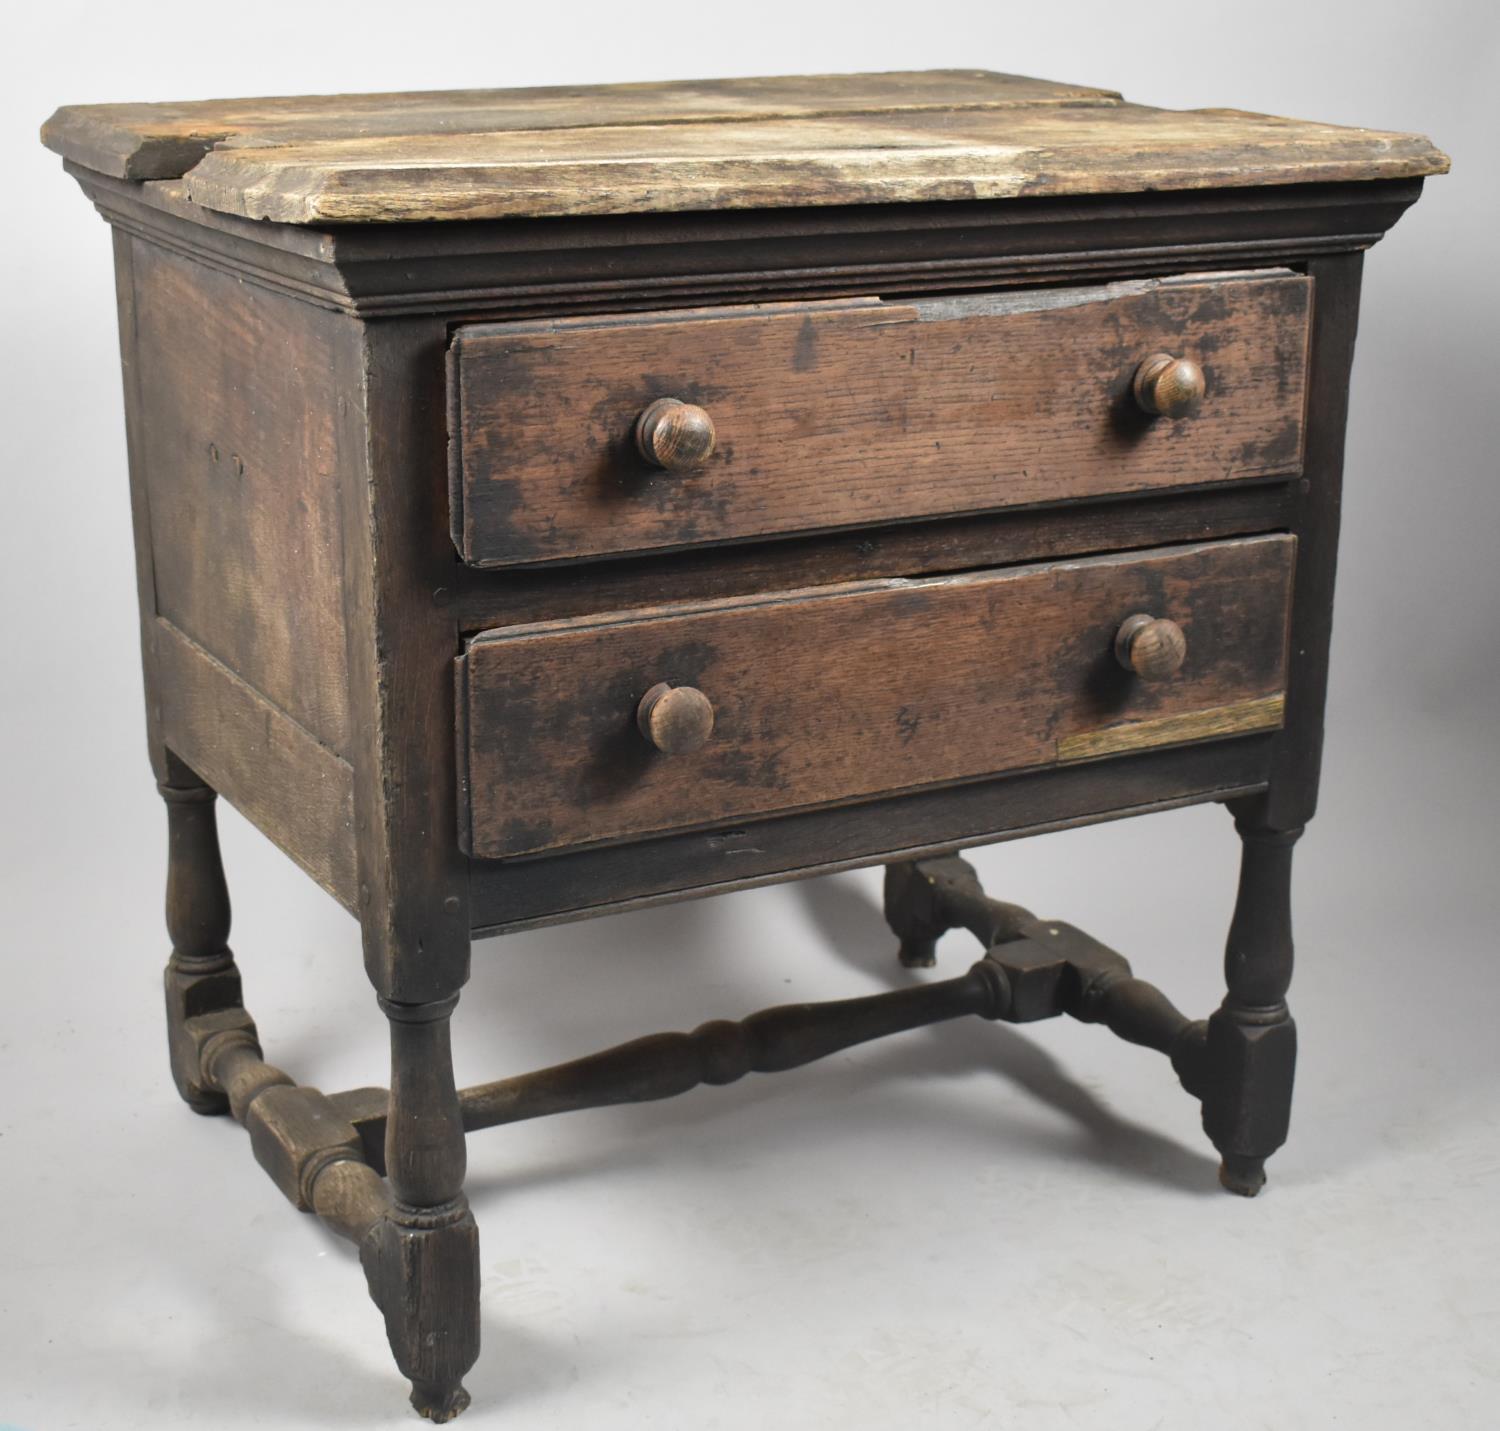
{"type": "Point", "coordinates": [1151, 646]}
{"type": "Point", "coordinates": [1168, 386]}
{"type": "Point", "coordinates": [675, 719]}
{"type": "Point", "coordinates": [675, 435]}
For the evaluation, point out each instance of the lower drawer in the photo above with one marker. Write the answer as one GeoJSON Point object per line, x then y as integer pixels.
{"type": "Point", "coordinates": [607, 728]}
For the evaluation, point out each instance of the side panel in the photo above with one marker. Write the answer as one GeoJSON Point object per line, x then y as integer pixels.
{"type": "Point", "coordinates": [236, 439]}
{"type": "Point", "coordinates": [235, 458]}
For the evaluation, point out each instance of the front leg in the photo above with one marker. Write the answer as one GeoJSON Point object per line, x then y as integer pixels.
{"type": "Point", "coordinates": [422, 1260]}
{"type": "Point", "coordinates": [1251, 1055]}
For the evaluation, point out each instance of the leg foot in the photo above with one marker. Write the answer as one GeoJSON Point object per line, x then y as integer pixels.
{"type": "Point", "coordinates": [1243, 1176]}
{"type": "Point", "coordinates": [437, 1404]}
{"type": "Point", "coordinates": [924, 899]}
{"type": "Point", "coordinates": [423, 1271]}
{"type": "Point", "coordinates": [917, 953]}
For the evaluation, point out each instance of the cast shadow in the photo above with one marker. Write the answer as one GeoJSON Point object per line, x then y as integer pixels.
{"type": "Point", "coordinates": [854, 929]}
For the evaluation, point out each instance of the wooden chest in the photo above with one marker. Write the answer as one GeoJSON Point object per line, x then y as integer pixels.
{"type": "Point", "coordinates": [550, 502]}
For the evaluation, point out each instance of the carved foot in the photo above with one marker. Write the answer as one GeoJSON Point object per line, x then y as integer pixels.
{"type": "Point", "coordinates": [437, 1404]}
{"type": "Point", "coordinates": [423, 1271]}
{"type": "Point", "coordinates": [1242, 1176]}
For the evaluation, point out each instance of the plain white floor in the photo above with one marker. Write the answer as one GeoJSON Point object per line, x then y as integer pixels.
{"type": "Point", "coordinates": [971, 1226]}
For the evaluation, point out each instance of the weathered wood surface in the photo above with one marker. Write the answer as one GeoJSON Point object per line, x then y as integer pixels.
{"type": "Point", "coordinates": [854, 412]}
{"type": "Point", "coordinates": [237, 451]}
{"type": "Point", "coordinates": [163, 141]}
{"type": "Point", "coordinates": [483, 599]}
{"type": "Point", "coordinates": [851, 139]}
{"type": "Point", "coordinates": [511, 895]}
{"type": "Point", "coordinates": [610, 263]}
{"type": "Point", "coordinates": [278, 776]}
{"type": "Point", "coordinates": [402, 642]}
{"type": "Point", "coordinates": [838, 694]}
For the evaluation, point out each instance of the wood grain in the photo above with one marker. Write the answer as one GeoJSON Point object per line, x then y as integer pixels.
{"type": "Point", "coordinates": [163, 141]}
{"type": "Point", "coordinates": [918, 683]}
{"type": "Point", "coordinates": [1240, 718]}
{"type": "Point", "coordinates": [606, 879]}
{"type": "Point", "coordinates": [484, 599]}
{"type": "Point", "coordinates": [548, 267]}
{"type": "Point", "coordinates": [299, 174]}
{"type": "Point", "coordinates": [847, 413]}
{"type": "Point", "coordinates": [236, 448]}
{"type": "Point", "coordinates": [285, 782]}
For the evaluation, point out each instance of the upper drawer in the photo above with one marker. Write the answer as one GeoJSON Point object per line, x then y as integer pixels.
{"type": "Point", "coordinates": [842, 693]}
{"type": "Point", "coordinates": [853, 412]}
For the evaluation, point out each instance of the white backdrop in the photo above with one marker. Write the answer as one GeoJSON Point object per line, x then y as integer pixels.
{"type": "Point", "coordinates": [967, 1227]}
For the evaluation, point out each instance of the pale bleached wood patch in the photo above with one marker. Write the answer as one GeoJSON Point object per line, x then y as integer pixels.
{"type": "Point", "coordinates": [946, 135]}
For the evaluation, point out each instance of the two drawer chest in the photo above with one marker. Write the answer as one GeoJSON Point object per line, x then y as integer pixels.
{"type": "Point", "coordinates": [548, 502]}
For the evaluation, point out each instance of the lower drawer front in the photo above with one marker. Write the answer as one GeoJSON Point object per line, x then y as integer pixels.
{"type": "Point", "coordinates": [846, 692]}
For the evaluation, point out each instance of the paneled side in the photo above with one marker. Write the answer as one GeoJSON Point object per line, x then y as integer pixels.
{"type": "Point", "coordinates": [236, 441]}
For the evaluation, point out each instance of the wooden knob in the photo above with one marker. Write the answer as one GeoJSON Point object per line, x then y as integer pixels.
{"type": "Point", "coordinates": [675, 435]}
{"type": "Point", "coordinates": [1168, 386]}
{"type": "Point", "coordinates": [1151, 646]}
{"type": "Point", "coordinates": [675, 719]}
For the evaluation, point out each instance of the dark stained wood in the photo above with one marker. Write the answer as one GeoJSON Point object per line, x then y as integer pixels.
{"type": "Point", "coordinates": [427, 1248]}
{"type": "Point", "coordinates": [1032, 969]}
{"type": "Point", "coordinates": [916, 683]}
{"type": "Point", "coordinates": [1251, 1053]}
{"type": "Point", "coordinates": [1315, 519]}
{"type": "Point", "coordinates": [413, 878]}
{"type": "Point", "coordinates": [511, 895]}
{"type": "Point", "coordinates": [295, 790]}
{"type": "Point", "coordinates": [862, 412]}
{"type": "Point", "coordinates": [236, 443]}
{"type": "Point", "coordinates": [486, 599]}
{"type": "Point", "coordinates": [302, 604]}
{"type": "Point", "coordinates": [544, 268]}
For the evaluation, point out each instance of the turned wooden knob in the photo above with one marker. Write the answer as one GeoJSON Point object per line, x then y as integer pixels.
{"type": "Point", "coordinates": [675, 435]}
{"type": "Point", "coordinates": [675, 719]}
{"type": "Point", "coordinates": [1168, 386]}
{"type": "Point", "coordinates": [1151, 646]}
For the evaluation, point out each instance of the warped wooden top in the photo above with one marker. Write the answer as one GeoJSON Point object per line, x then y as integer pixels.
{"type": "Point", "coordinates": [711, 144]}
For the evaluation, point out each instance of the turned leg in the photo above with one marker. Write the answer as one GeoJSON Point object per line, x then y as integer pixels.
{"type": "Point", "coordinates": [423, 1258]}
{"type": "Point", "coordinates": [201, 977]}
{"type": "Point", "coordinates": [1251, 1052]}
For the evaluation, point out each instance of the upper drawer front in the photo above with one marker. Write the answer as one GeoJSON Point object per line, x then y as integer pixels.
{"type": "Point", "coordinates": [851, 691]}
{"type": "Point", "coordinates": [853, 412]}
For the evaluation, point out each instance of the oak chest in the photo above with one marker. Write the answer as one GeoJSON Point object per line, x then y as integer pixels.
{"type": "Point", "coordinates": [553, 501]}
